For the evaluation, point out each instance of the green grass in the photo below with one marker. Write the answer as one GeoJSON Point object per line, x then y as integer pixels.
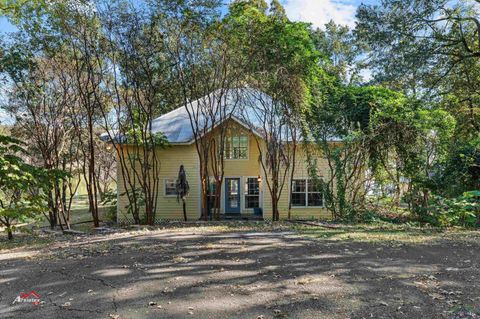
{"type": "Point", "coordinates": [385, 233]}
{"type": "Point", "coordinates": [80, 216]}
{"type": "Point", "coordinates": [25, 240]}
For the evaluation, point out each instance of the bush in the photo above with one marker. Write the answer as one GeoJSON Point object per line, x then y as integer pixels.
{"type": "Point", "coordinates": [110, 199]}
{"type": "Point", "coordinates": [461, 211]}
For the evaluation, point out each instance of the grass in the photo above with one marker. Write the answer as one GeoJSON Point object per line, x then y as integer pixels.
{"type": "Point", "coordinates": [372, 233]}
{"type": "Point", "coordinates": [385, 233]}
{"type": "Point", "coordinates": [25, 240]}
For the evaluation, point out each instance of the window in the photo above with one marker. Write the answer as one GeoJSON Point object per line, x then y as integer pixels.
{"type": "Point", "coordinates": [306, 193]}
{"type": "Point", "coordinates": [236, 147]}
{"type": "Point", "coordinates": [299, 187]}
{"type": "Point", "coordinates": [252, 193]}
{"type": "Point", "coordinates": [170, 187]}
{"type": "Point", "coordinates": [315, 196]}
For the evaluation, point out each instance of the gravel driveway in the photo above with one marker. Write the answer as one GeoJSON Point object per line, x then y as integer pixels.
{"type": "Point", "coordinates": [185, 273]}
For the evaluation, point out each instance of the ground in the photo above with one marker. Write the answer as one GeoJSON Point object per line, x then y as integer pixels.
{"type": "Point", "coordinates": [246, 271]}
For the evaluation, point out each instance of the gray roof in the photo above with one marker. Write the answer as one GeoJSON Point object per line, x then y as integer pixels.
{"type": "Point", "coordinates": [244, 105]}
{"type": "Point", "coordinates": [176, 125]}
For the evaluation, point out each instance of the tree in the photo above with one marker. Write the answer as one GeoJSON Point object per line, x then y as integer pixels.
{"type": "Point", "coordinates": [277, 10]}
{"type": "Point", "coordinates": [341, 51]}
{"type": "Point", "coordinates": [206, 69]}
{"type": "Point", "coordinates": [40, 96]}
{"type": "Point", "coordinates": [137, 91]}
{"type": "Point", "coordinates": [22, 185]}
{"type": "Point", "coordinates": [430, 49]}
{"type": "Point", "coordinates": [281, 56]}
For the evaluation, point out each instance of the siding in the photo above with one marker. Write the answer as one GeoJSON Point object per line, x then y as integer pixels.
{"type": "Point", "coordinates": [301, 172]}
{"type": "Point", "coordinates": [167, 207]}
{"type": "Point", "coordinates": [242, 168]}
{"type": "Point", "coordinates": [172, 157]}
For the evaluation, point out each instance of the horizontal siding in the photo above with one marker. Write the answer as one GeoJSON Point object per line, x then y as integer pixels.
{"type": "Point", "coordinates": [243, 167]}
{"type": "Point", "coordinates": [167, 207]}
{"type": "Point", "coordinates": [172, 157]}
{"type": "Point", "coordinates": [301, 172]}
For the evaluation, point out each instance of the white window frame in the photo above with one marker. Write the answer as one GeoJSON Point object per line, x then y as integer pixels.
{"type": "Point", "coordinates": [229, 139]}
{"type": "Point", "coordinates": [245, 181]}
{"type": "Point", "coordinates": [165, 187]}
{"type": "Point", "coordinates": [307, 180]}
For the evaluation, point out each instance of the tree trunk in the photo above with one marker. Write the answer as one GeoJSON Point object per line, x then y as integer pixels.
{"type": "Point", "coordinates": [275, 214]}
{"type": "Point", "coordinates": [184, 210]}
{"type": "Point", "coordinates": [204, 199]}
{"type": "Point", "coordinates": [9, 231]}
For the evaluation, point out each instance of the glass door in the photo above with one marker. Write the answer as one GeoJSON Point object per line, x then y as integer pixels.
{"type": "Point", "coordinates": [232, 196]}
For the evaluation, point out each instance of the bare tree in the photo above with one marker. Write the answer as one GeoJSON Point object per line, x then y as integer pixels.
{"type": "Point", "coordinates": [139, 88]}
{"type": "Point", "coordinates": [207, 73]}
{"type": "Point", "coordinates": [40, 101]}
{"type": "Point", "coordinates": [277, 143]}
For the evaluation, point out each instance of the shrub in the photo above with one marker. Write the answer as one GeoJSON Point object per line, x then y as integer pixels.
{"type": "Point", "coordinates": [460, 211]}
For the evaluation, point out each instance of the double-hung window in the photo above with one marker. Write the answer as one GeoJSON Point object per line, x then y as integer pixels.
{"type": "Point", "coordinates": [170, 187]}
{"type": "Point", "coordinates": [236, 147]}
{"type": "Point", "coordinates": [306, 193]}
{"type": "Point", "coordinates": [252, 193]}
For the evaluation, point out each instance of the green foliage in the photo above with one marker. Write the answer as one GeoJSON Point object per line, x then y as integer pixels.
{"type": "Point", "coordinates": [341, 50]}
{"type": "Point", "coordinates": [110, 199]}
{"type": "Point", "coordinates": [461, 171]}
{"type": "Point", "coordinates": [23, 187]}
{"type": "Point", "coordinates": [460, 211]}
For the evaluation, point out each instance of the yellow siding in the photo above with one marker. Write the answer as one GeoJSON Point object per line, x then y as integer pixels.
{"type": "Point", "coordinates": [167, 207]}
{"type": "Point", "coordinates": [176, 155]}
{"type": "Point", "coordinates": [240, 168]}
{"type": "Point", "coordinates": [301, 172]}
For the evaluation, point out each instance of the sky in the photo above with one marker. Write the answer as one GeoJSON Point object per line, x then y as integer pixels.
{"type": "Point", "coordinates": [320, 12]}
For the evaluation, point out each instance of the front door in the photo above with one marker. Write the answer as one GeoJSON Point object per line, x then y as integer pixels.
{"type": "Point", "coordinates": [232, 195]}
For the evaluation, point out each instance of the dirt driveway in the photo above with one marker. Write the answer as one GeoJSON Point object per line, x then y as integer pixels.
{"type": "Point", "coordinates": [190, 273]}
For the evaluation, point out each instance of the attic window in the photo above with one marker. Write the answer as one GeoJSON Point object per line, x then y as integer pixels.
{"type": "Point", "coordinates": [236, 147]}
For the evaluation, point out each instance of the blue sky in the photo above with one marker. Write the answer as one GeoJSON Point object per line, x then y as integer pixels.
{"type": "Point", "coordinates": [317, 12]}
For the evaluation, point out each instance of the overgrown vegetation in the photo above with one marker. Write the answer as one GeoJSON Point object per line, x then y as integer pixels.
{"type": "Point", "coordinates": [401, 146]}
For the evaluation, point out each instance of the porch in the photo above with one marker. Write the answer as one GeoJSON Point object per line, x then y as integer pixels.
{"type": "Point", "coordinates": [241, 198]}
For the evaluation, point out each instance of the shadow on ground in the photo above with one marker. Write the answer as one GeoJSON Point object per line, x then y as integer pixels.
{"type": "Point", "coordinates": [206, 274]}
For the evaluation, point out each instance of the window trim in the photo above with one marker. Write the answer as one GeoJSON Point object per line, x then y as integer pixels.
{"type": "Point", "coordinates": [165, 186]}
{"type": "Point", "coordinates": [245, 181]}
{"type": "Point", "coordinates": [306, 195]}
{"type": "Point", "coordinates": [229, 137]}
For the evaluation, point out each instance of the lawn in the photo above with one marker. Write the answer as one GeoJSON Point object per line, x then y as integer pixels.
{"type": "Point", "coordinates": [248, 270]}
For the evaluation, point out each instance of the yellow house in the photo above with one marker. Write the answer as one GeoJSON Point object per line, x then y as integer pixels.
{"type": "Point", "coordinates": [244, 192]}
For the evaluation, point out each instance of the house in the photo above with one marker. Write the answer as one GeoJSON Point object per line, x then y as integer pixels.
{"type": "Point", "coordinates": [244, 191]}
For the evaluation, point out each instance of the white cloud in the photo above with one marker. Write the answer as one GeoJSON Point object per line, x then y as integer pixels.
{"type": "Point", "coordinates": [320, 12]}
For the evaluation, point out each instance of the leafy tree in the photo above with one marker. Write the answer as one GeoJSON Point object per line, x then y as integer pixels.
{"type": "Point", "coordinates": [461, 171]}
{"type": "Point", "coordinates": [39, 97]}
{"type": "Point", "coordinates": [431, 51]}
{"type": "Point", "coordinates": [22, 186]}
{"type": "Point", "coordinates": [427, 48]}
{"type": "Point", "coordinates": [277, 10]}
{"type": "Point", "coordinates": [281, 55]}
{"type": "Point", "coordinates": [341, 50]}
